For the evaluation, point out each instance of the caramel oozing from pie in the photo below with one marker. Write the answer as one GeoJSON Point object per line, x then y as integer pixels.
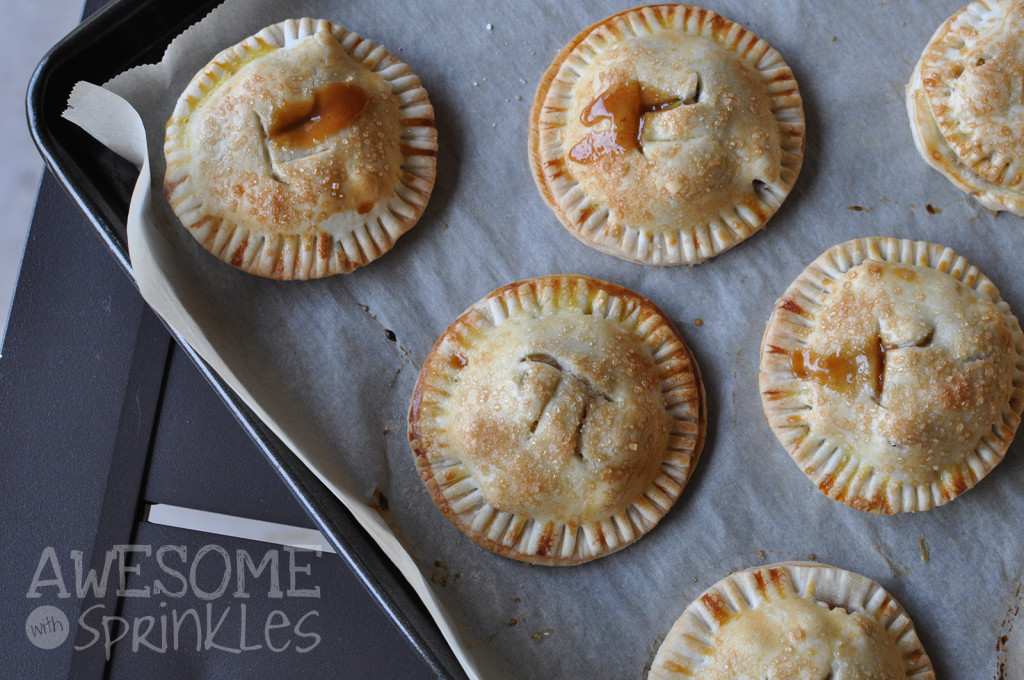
{"type": "Point", "coordinates": [669, 130]}
{"type": "Point", "coordinates": [844, 371]}
{"type": "Point", "coordinates": [622, 109]}
{"type": "Point", "coordinates": [301, 140]}
{"type": "Point", "coordinates": [907, 367]}
{"type": "Point", "coordinates": [304, 124]}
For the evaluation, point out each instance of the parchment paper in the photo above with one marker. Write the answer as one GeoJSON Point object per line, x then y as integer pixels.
{"type": "Point", "coordinates": [313, 359]}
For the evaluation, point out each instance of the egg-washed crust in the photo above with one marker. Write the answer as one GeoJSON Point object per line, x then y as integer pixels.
{"type": "Point", "coordinates": [326, 210]}
{"type": "Point", "coordinates": [736, 211]}
{"type": "Point", "coordinates": [445, 416]}
{"type": "Point", "coordinates": [689, 643]}
{"type": "Point", "coordinates": [966, 116]}
{"type": "Point", "coordinates": [923, 473]}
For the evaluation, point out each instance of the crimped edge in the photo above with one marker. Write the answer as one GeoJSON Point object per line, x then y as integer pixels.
{"type": "Point", "coordinates": [327, 251]}
{"type": "Point", "coordinates": [835, 469]}
{"type": "Point", "coordinates": [688, 642]}
{"type": "Point", "coordinates": [688, 245]}
{"type": "Point", "coordinates": [932, 132]}
{"type": "Point", "coordinates": [521, 537]}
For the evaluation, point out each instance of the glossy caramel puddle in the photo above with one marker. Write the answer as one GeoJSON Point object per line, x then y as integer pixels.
{"type": "Point", "coordinates": [624, 105]}
{"type": "Point", "coordinates": [844, 372]}
{"type": "Point", "coordinates": [305, 124]}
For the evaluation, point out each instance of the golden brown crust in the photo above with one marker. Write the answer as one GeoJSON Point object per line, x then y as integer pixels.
{"type": "Point", "coordinates": [965, 106]}
{"type": "Point", "coordinates": [893, 373]}
{"type": "Point", "coordinates": [301, 152]}
{"type": "Point", "coordinates": [557, 419]}
{"type": "Point", "coordinates": [666, 134]}
{"type": "Point", "coordinates": [801, 621]}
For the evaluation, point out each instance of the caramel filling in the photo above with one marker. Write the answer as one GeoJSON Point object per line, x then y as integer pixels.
{"type": "Point", "coordinates": [624, 106]}
{"type": "Point", "coordinates": [305, 124]}
{"type": "Point", "coordinates": [844, 372]}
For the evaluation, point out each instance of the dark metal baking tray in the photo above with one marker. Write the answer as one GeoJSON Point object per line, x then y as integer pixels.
{"type": "Point", "coordinates": [119, 35]}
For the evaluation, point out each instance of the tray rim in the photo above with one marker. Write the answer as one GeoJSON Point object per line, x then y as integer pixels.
{"type": "Point", "coordinates": [48, 88]}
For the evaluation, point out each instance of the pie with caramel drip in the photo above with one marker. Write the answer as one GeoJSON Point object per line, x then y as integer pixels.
{"type": "Point", "coordinates": [799, 621]}
{"type": "Point", "coordinates": [301, 152]}
{"type": "Point", "coordinates": [966, 105]}
{"type": "Point", "coordinates": [893, 373]}
{"type": "Point", "coordinates": [666, 134]}
{"type": "Point", "coordinates": [558, 419]}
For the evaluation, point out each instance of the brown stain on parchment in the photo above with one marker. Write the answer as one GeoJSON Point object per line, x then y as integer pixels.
{"type": "Point", "coordinates": [1006, 628]}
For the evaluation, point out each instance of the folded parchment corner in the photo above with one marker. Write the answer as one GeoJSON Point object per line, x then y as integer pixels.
{"type": "Point", "coordinates": [108, 118]}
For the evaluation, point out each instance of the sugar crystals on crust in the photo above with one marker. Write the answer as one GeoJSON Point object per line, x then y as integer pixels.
{"type": "Point", "coordinates": [666, 134]}
{"type": "Point", "coordinates": [799, 621]}
{"type": "Point", "coordinates": [558, 419]}
{"type": "Point", "coordinates": [893, 373]}
{"type": "Point", "coordinates": [965, 102]}
{"type": "Point", "coordinates": [303, 151]}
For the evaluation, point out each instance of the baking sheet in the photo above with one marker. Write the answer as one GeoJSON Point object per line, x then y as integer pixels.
{"type": "Point", "coordinates": [313, 359]}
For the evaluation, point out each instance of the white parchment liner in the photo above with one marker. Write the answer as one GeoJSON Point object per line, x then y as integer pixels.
{"type": "Point", "coordinates": [312, 358]}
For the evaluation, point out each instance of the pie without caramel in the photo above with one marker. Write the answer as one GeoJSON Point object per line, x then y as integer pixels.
{"type": "Point", "coordinates": [666, 134]}
{"type": "Point", "coordinates": [799, 621]}
{"type": "Point", "coordinates": [893, 373]}
{"type": "Point", "coordinates": [558, 419]}
{"type": "Point", "coordinates": [301, 152]}
{"type": "Point", "coordinates": [966, 104]}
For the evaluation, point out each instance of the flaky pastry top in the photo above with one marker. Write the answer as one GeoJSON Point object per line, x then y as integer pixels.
{"type": "Point", "coordinates": [974, 77]}
{"type": "Point", "coordinates": [557, 419]}
{"type": "Point", "coordinates": [793, 620]}
{"type": "Point", "coordinates": [893, 373]}
{"type": "Point", "coordinates": [560, 416]}
{"type": "Point", "coordinates": [798, 638]}
{"type": "Point", "coordinates": [303, 151]}
{"type": "Point", "coordinates": [966, 103]}
{"type": "Point", "coordinates": [666, 134]}
{"type": "Point", "coordinates": [671, 128]}
{"type": "Point", "coordinates": [908, 367]}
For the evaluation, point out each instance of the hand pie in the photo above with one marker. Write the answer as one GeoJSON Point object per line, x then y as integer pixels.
{"type": "Point", "coordinates": [301, 152]}
{"type": "Point", "coordinates": [965, 105]}
{"type": "Point", "coordinates": [798, 621]}
{"type": "Point", "coordinates": [666, 134]}
{"type": "Point", "coordinates": [558, 419]}
{"type": "Point", "coordinates": [893, 373]}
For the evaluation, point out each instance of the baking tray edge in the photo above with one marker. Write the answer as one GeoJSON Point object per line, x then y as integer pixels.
{"type": "Point", "coordinates": [96, 51]}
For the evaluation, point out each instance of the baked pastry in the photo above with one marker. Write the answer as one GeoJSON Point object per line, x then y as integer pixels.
{"type": "Point", "coordinates": [799, 621]}
{"type": "Point", "coordinates": [666, 134]}
{"type": "Point", "coordinates": [965, 104]}
{"type": "Point", "coordinates": [303, 151]}
{"type": "Point", "coordinates": [893, 373]}
{"type": "Point", "coordinates": [557, 419]}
